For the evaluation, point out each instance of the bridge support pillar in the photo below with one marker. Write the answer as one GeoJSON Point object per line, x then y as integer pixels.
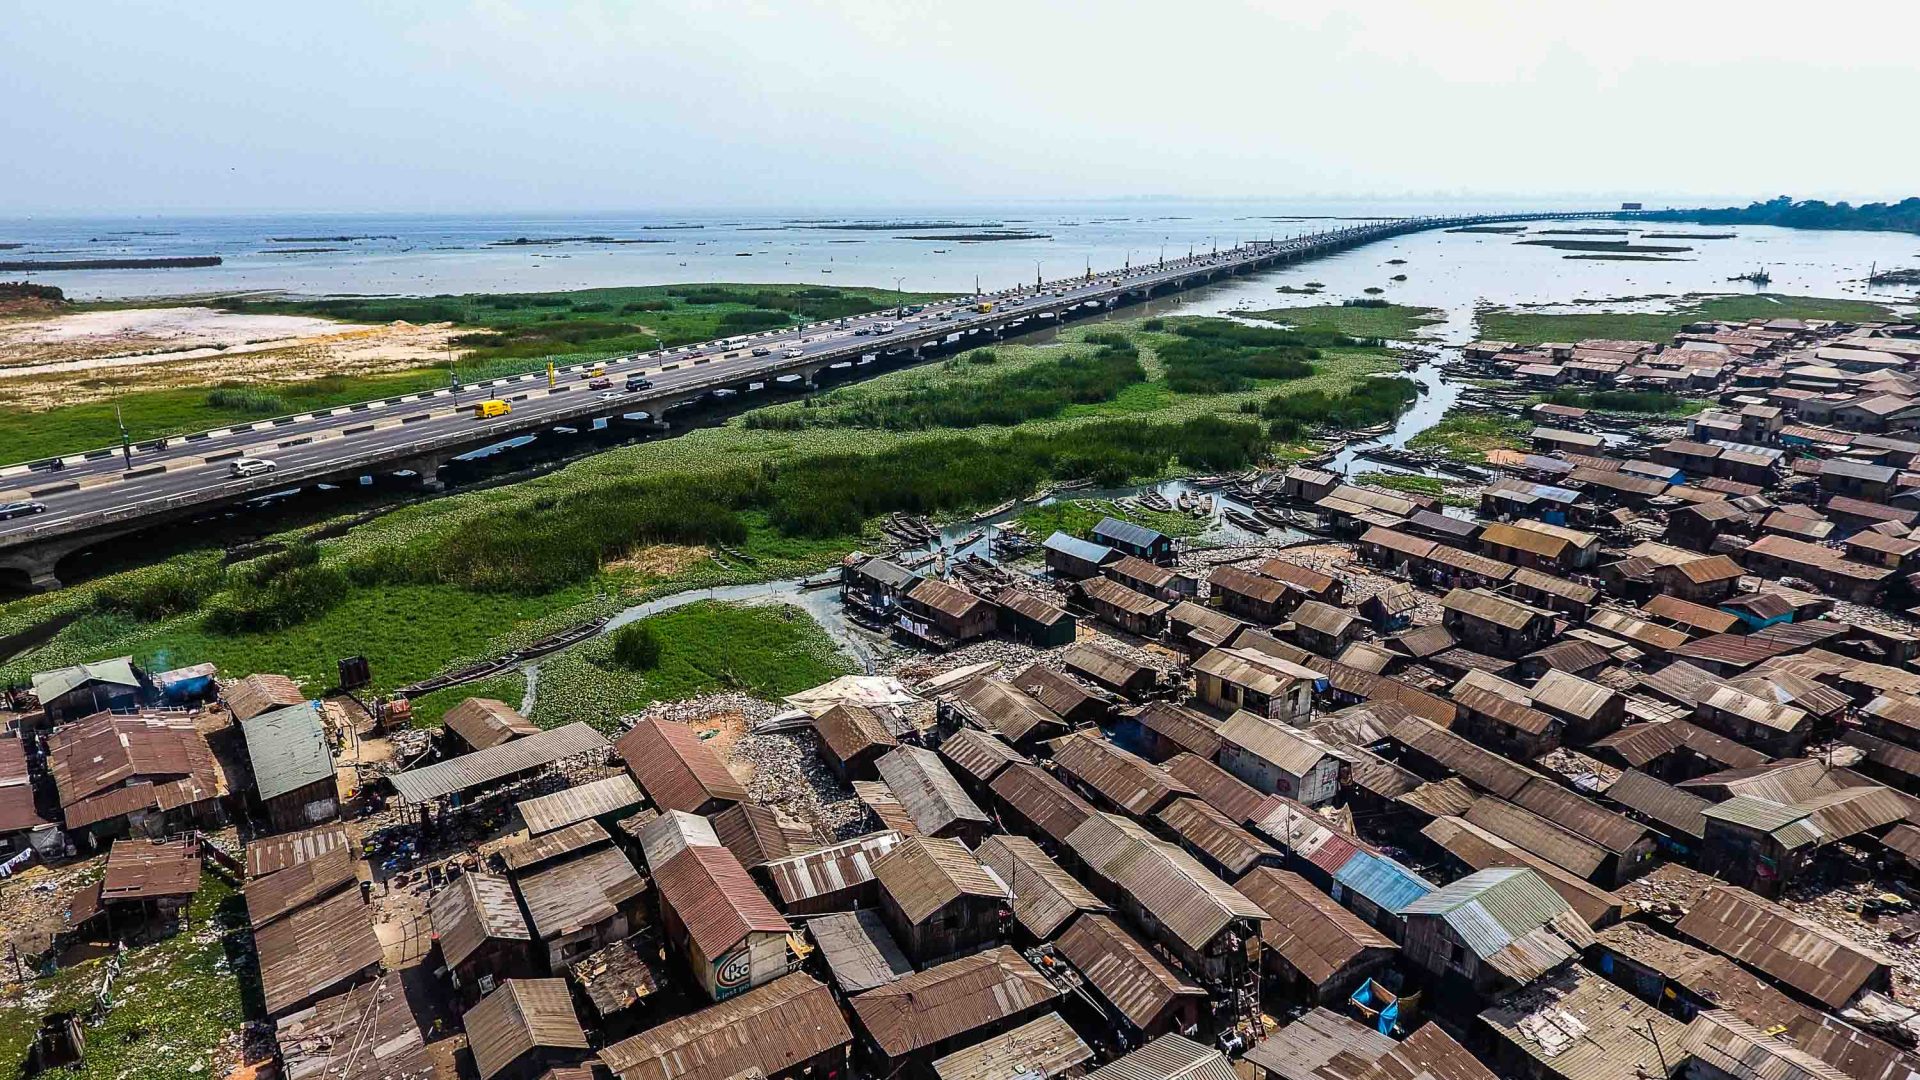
{"type": "Point", "coordinates": [426, 468]}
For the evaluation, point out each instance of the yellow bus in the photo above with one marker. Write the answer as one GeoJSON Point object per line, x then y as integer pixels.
{"type": "Point", "coordinates": [983, 307]}
{"type": "Point", "coordinates": [490, 408]}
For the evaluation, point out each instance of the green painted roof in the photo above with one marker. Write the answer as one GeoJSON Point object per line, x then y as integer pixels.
{"type": "Point", "coordinates": [48, 685]}
{"type": "Point", "coordinates": [288, 748]}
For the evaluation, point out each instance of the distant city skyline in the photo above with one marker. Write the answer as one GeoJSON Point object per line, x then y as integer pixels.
{"type": "Point", "coordinates": [577, 106]}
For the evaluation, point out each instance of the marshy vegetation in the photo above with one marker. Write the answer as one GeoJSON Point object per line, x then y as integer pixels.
{"type": "Point", "coordinates": [1368, 403]}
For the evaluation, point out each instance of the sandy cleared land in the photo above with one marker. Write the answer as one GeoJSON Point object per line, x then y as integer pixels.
{"type": "Point", "coordinates": [87, 356]}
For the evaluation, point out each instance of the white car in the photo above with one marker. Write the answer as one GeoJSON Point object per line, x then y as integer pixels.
{"type": "Point", "coordinates": [794, 354]}
{"type": "Point", "coordinates": [251, 466]}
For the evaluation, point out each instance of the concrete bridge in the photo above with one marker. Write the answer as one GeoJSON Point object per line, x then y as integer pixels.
{"type": "Point", "coordinates": [110, 492]}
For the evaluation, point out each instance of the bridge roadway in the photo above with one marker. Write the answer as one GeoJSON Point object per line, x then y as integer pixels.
{"type": "Point", "coordinates": [97, 495]}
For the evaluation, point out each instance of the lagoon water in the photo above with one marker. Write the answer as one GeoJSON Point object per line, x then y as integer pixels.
{"type": "Point", "coordinates": [433, 255]}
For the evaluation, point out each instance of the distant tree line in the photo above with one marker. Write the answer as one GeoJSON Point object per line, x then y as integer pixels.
{"type": "Point", "coordinates": [1903, 216]}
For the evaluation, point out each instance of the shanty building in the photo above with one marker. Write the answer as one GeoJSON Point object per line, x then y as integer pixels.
{"type": "Point", "coordinates": [1708, 580]}
{"type": "Point", "coordinates": [1037, 1050]}
{"type": "Point", "coordinates": [757, 835]}
{"type": "Point", "coordinates": [1143, 997]}
{"type": "Point", "coordinates": [932, 798]}
{"type": "Point", "coordinates": [576, 903]}
{"type": "Point", "coordinates": [677, 770]}
{"type": "Point", "coordinates": [1278, 760]}
{"type": "Point", "coordinates": [1165, 893]}
{"type": "Point", "coordinates": [1313, 946]}
{"type": "Point", "coordinates": [1812, 961]}
{"type": "Point", "coordinates": [1495, 625]}
{"type": "Point", "coordinates": [315, 952]}
{"type": "Point", "coordinates": [1686, 979]}
{"type": "Point", "coordinates": [1136, 540]}
{"type": "Point", "coordinates": [1160, 729]}
{"type": "Point", "coordinates": [1254, 597]}
{"type": "Point", "coordinates": [256, 694]}
{"type": "Point", "coordinates": [606, 801]}
{"type": "Point", "coordinates": [909, 1023]}
{"type": "Point", "coordinates": [938, 900]}
{"type": "Point", "coordinates": [149, 882]}
{"type": "Point", "coordinates": [524, 1029]}
{"type": "Point", "coordinates": [1588, 709]}
{"type": "Point", "coordinates": [375, 1017]}
{"type": "Point", "coordinates": [725, 928]}
{"type": "Point", "coordinates": [70, 693]}
{"type": "Point", "coordinates": [1108, 669]}
{"type": "Point", "coordinates": [1243, 679]}
{"type": "Point", "coordinates": [1310, 583]}
{"type": "Point", "coordinates": [1493, 929]}
{"type": "Point", "coordinates": [1534, 548]}
{"type": "Point", "coordinates": [1627, 845]}
{"type": "Point", "coordinates": [1064, 704]}
{"type": "Point", "coordinates": [485, 768]}
{"type": "Point", "coordinates": [482, 723]}
{"type": "Point", "coordinates": [1322, 628]}
{"type": "Point", "coordinates": [21, 825]}
{"type": "Point", "coordinates": [1679, 816]}
{"type": "Point", "coordinates": [483, 937]}
{"type": "Point", "coordinates": [1196, 628]}
{"type": "Point", "coordinates": [1034, 803]}
{"type": "Point", "coordinates": [785, 1030]}
{"type": "Point", "coordinates": [1119, 606]}
{"type": "Point", "coordinates": [1029, 617]}
{"type": "Point", "coordinates": [1721, 1046]}
{"type": "Point", "coordinates": [1219, 842]}
{"type": "Point", "coordinates": [875, 585]}
{"type": "Point", "coordinates": [1782, 556]}
{"type": "Point", "coordinates": [838, 877]}
{"type": "Point", "coordinates": [142, 774]}
{"type": "Point", "coordinates": [1757, 843]}
{"type": "Point", "coordinates": [1159, 582]}
{"type": "Point", "coordinates": [1113, 777]}
{"type": "Point", "coordinates": [292, 767]}
{"type": "Point", "coordinates": [1575, 1025]}
{"type": "Point", "coordinates": [859, 952]}
{"type": "Point", "coordinates": [1072, 559]}
{"type": "Point", "coordinates": [1045, 898]}
{"type": "Point", "coordinates": [1761, 723]}
{"type": "Point", "coordinates": [942, 615]}
{"type": "Point", "coordinates": [1506, 725]}
{"type": "Point", "coordinates": [852, 738]}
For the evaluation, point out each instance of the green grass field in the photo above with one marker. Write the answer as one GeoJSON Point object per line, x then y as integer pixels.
{"type": "Point", "coordinates": [1397, 322]}
{"type": "Point", "coordinates": [767, 650]}
{"type": "Point", "coordinates": [1527, 328]}
{"type": "Point", "coordinates": [1467, 436]}
{"type": "Point", "coordinates": [175, 1002]}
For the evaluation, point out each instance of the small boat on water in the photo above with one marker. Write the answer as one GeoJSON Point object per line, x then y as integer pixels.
{"type": "Point", "coordinates": [995, 511]}
{"type": "Point", "coordinates": [1243, 521]}
{"type": "Point", "coordinates": [1185, 502]}
{"type": "Point", "coordinates": [1153, 500]}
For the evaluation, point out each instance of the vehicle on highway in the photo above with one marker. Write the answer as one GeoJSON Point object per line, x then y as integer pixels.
{"type": "Point", "coordinates": [762, 350]}
{"type": "Point", "coordinates": [794, 354]}
{"type": "Point", "coordinates": [490, 408]}
{"type": "Point", "coordinates": [600, 383]}
{"type": "Point", "coordinates": [611, 395]}
{"type": "Point", "coordinates": [883, 328]}
{"type": "Point", "coordinates": [863, 331]}
{"type": "Point", "coordinates": [250, 466]}
{"type": "Point", "coordinates": [983, 307]}
{"type": "Point", "coordinates": [21, 509]}
{"type": "Point", "coordinates": [635, 382]}
{"type": "Point", "coordinates": [593, 374]}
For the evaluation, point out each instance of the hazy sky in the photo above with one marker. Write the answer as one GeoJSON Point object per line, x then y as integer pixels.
{"type": "Point", "coordinates": [596, 104]}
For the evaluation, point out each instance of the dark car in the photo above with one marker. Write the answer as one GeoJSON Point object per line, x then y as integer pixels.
{"type": "Point", "coordinates": [601, 383]}
{"type": "Point", "coordinates": [21, 509]}
{"type": "Point", "coordinates": [635, 382]}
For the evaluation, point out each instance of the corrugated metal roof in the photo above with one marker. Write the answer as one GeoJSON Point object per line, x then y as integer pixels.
{"type": "Point", "coordinates": [1483, 768]}
{"type": "Point", "coordinates": [1011, 710]}
{"type": "Point", "coordinates": [1810, 958]}
{"type": "Point", "coordinates": [1480, 604]}
{"type": "Point", "coordinates": [546, 813]}
{"type": "Point", "coordinates": [1321, 1045]}
{"type": "Point", "coordinates": [1845, 813]}
{"type": "Point", "coordinates": [1128, 781]}
{"type": "Point", "coordinates": [1580, 815]}
{"type": "Point", "coordinates": [483, 767]}
{"type": "Point", "coordinates": [487, 722]}
{"type": "Point", "coordinates": [929, 792]}
{"type": "Point", "coordinates": [1169, 1057]}
{"type": "Point", "coordinates": [140, 869]}
{"type": "Point", "coordinates": [949, 999]}
{"type": "Point", "coordinates": [366, 1033]}
{"type": "Point", "coordinates": [715, 899]}
{"type": "Point", "coordinates": [1036, 795]}
{"type": "Point", "coordinates": [1217, 837]}
{"type": "Point", "coordinates": [924, 874]}
{"type": "Point", "coordinates": [1538, 835]}
{"type": "Point", "coordinates": [1115, 531]}
{"type": "Point", "coordinates": [831, 869]}
{"type": "Point", "coordinates": [1085, 550]}
{"type": "Point", "coordinates": [1045, 896]}
{"type": "Point", "coordinates": [1723, 1041]}
{"type": "Point", "coordinates": [473, 910]}
{"type": "Point", "coordinates": [276, 853]}
{"type": "Point", "coordinates": [1481, 850]}
{"type": "Point", "coordinates": [315, 949]}
{"type": "Point", "coordinates": [48, 685]}
{"type": "Point", "coordinates": [1114, 594]}
{"type": "Point", "coordinates": [1308, 928]}
{"type": "Point", "coordinates": [759, 834]}
{"type": "Point", "coordinates": [1511, 918]}
{"type": "Point", "coordinates": [1123, 971]}
{"type": "Point", "coordinates": [1220, 789]}
{"type": "Point", "coordinates": [1505, 710]}
{"type": "Point", "coordinates": [1639, 744]}
{"type": "Point", "coordinates": [1766, 713]}
{"type": "Point", "coordinates": [274, 895]}
{"type": "Point", "coordinates": [1579, 1026]}
{"type": "Point", "coordinates": [1105, 667]}
{"type": "Point", "coordinates": [1668, 806]}
{"type": "Point", "coordinates": [1037, 1050]}
{"type": "Point", "coordinates": [580, 892]}
{"type": "Point", "coordinates": [256, 694]}
{"type": "Point", "coordinates": [858, 950]}
{"type": "Point", "coordinates": [979, 754]}
{"type": "Point", "coordinates": [770, 1029]}
{"type": "Point", "coordinates": [1185, 728]}
{"type": "Point", "coordinates": [1385, 882]}
{"type": "Point", "coordinates": [1188, 900]}
{"type": "Point", "coordinates": [848, 730]}
{"type": "Point", "coordinates": [1286, 748]}
{"type": "Point", "coordinates": [1755, 813]}
{"type": "Point", "coordinates": [674, 832]}
{"type": "Point", "coordinates": [521, 1016]}
{"type": "Point", "coordinates": [676, 769]}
